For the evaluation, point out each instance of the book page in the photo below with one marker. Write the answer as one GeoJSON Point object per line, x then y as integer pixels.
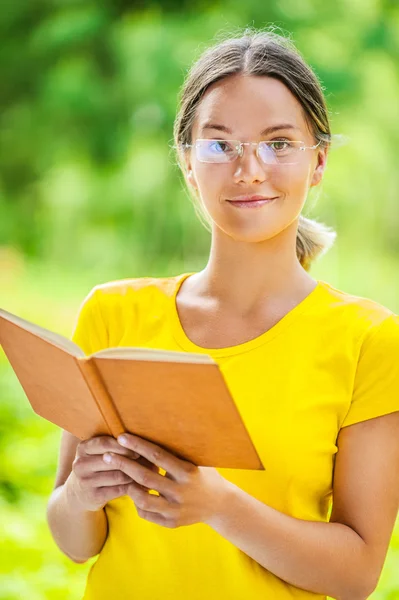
{"type": "Point", "coordinates": [55, 338]}
{"type": "Point", "coordinates": [153, 354]}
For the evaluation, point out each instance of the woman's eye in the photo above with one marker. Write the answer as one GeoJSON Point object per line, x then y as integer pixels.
{"type": "Point", "coordinates": [280, 144]}
{"type": "Point", "coordinates": [220, 145]}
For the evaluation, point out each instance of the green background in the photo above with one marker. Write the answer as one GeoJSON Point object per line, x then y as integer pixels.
{"type": "Point", "coordinates": [90, 192]}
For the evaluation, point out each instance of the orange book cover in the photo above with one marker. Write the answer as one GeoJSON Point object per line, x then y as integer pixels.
{"type": "Point", "coordinates": [178, 400]}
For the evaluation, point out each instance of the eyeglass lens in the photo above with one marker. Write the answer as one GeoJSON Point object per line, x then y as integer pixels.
{"type": "Point", "coordinates": [224, 151]}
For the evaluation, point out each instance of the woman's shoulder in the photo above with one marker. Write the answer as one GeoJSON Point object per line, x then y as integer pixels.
{"type": "Point", "coordinates": [120, 289]}
{"type": "Point", "coordinates": [113, 307]}
{"type": "Point", "coordinates": [368, 314]}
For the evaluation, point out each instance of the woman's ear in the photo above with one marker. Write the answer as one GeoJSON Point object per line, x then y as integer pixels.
{"type": "Point", "coordinates": [191, 177]}
{"type": "Point", "coordinates": [189, 173]}
{"type": "Point", "coordinates": [320, 167]}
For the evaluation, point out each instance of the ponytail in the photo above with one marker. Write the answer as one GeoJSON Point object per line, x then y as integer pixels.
{"type": "Point", "coordinates": [313, 240]}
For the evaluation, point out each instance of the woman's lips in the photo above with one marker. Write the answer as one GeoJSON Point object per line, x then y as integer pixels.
{"type": "Point", "coordinates": [251, 203]}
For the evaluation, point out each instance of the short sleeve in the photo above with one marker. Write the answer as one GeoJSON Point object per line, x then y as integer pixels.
{"type": "Point", "coordinates": [89, 329]}
{"type": "Point", "coordinates": [376, 385]}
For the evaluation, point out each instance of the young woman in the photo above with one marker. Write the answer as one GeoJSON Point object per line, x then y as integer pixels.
{"type": "Point", "coordinates": [313, 370]}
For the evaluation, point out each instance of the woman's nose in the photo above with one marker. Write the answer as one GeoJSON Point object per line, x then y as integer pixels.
{"type": "Point", "coordinates": [249, 167]}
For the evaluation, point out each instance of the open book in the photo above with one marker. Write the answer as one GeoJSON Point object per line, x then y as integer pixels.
{"type": "Point", "coordinates": [178, 400]}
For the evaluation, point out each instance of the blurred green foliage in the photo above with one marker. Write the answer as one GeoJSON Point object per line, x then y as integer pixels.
{"type": "Point", "coordinates": [89, 192]}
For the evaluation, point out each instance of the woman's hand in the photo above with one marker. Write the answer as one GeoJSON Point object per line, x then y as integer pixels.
{"type": "Point", "coordinates": [92, 483]}
{"type": "Point", "coordinates": [188, 494]}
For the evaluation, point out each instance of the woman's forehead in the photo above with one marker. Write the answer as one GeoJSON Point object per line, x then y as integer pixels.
{"type": "Point", "coordinates": [249, 102]}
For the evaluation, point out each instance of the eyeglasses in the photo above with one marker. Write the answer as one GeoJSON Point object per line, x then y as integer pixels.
{"type": "Point", "coordinates": [274, 152]}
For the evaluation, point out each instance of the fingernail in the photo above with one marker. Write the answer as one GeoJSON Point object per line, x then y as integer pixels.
{"type": "Point", "coordinates": [107, 458]}
{"type": "Point", "coordinates": [122, 440]}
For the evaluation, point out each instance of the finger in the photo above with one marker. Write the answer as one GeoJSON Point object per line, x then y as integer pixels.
{"type": "Point", "coordinates": [165, 474]}
{"type": "Point", "coordinates": [176, 467]}
{"type": "Point", "coordinates": [107, 493]}
{"type": "Point", "coordinates": [154, 517]}
{"type": "Point", "coordinates": [101, 444]}
{"type": "Point", "coordinates": [106, 478]}
{"type": "Point", "coordinates": [144, 476]}
{"type": "Point", "coordinates": [87, 466]}
{"type": "Point", "coordinates": [148, 502]}
{"type": "Point", "coordinates": [109, 478]}
{"type": "Point", "coordinates": [146, 463]}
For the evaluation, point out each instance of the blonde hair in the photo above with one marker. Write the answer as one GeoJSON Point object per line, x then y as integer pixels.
{"type": "Point", "coordinates": [259, 52]}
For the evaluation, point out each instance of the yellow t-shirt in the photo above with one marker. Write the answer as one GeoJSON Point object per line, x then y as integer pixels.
{"type": "Point", "coordinates": [330, 362]}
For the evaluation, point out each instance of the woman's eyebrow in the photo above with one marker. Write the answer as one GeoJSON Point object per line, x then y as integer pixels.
{"type": "Point", "coordinates": [269, 129]}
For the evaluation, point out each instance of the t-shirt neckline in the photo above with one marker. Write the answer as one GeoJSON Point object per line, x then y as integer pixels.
{"type": "Point", "coordinates": [186, 344]}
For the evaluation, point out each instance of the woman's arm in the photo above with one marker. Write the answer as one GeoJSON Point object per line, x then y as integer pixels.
{"type": "Point", "coordinates": [325, 558]}
{"type": "Point", "coordinates": [343, 558]}
{"type": "Point", "coordinates": [79, 533]}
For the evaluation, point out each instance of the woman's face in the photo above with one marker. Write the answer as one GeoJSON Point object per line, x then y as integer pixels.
{"type": "Point", "coordinates": [245, 106]}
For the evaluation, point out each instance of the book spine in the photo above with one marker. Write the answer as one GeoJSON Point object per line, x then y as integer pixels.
{"type": "Point", "coordinates": [101, 396]}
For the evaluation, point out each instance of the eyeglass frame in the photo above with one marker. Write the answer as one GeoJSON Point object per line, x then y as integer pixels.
{"type": "Point", "coordinates": [240, 151]}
